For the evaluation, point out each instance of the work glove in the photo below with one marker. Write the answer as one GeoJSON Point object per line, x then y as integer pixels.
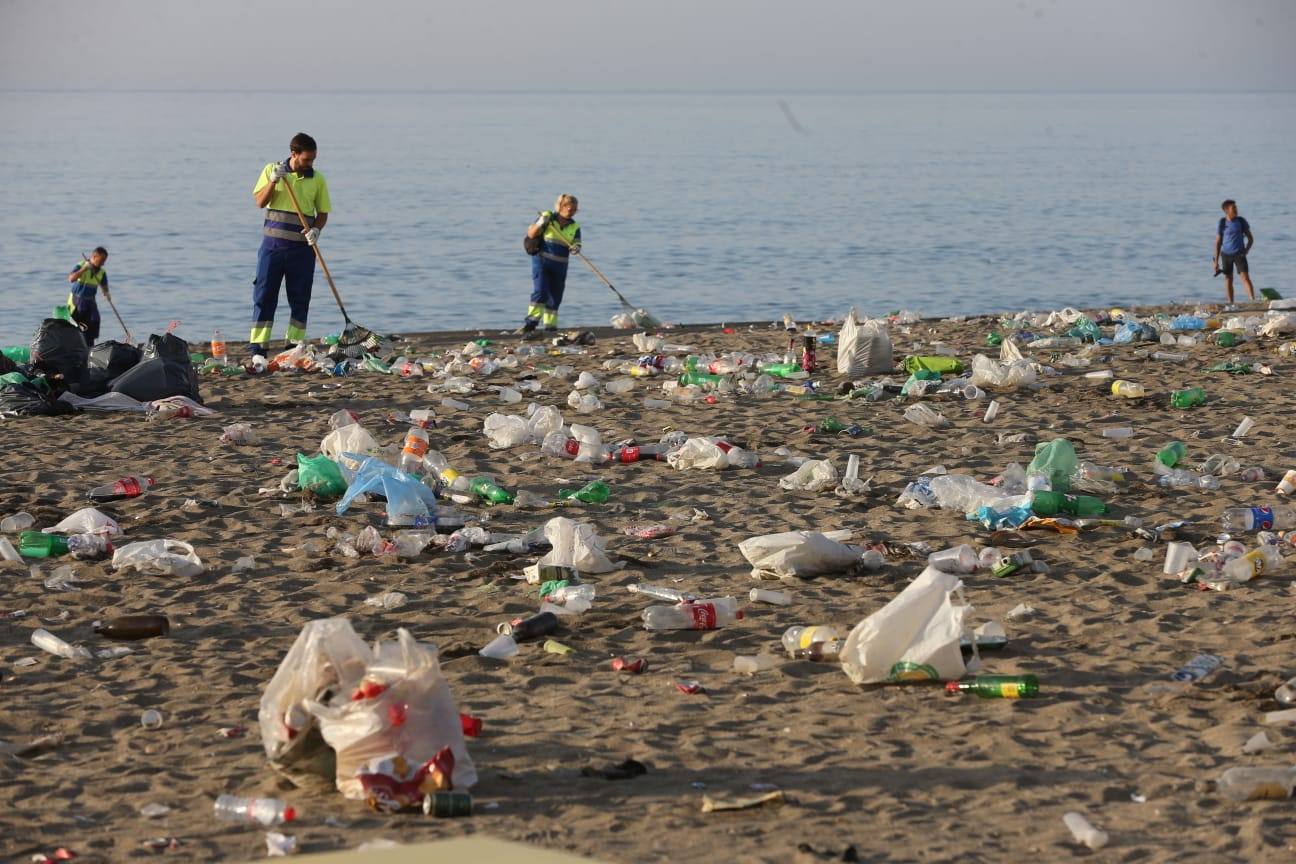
{"type": "Point", "coordinates": [312, 236]}
{"type": "Point", "coordinates": [278, 172]}
{"type": "Point", "coordinates": [545, 218]}
{"type": "Point", "coordinates": [575, 249]}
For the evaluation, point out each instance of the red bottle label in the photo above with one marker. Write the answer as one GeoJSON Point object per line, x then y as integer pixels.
{"type": "Point", "coordinates": [704, 615]}
{"type": "Point", "coordinates": [628, 454]}
{"type": "Point", "coordinates": [572, 446]}
{"type": "Point", "coordinates": [129, 487]}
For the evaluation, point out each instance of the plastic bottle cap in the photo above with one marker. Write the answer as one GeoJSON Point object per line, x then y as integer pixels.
{"type": "Point", "coordinates": [740, 614]}
{"type": "Point", "coordinates": [289, 814]}
{"type": "Point", "coordinates": [951, 687]}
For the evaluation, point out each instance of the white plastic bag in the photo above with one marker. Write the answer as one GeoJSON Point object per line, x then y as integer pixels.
{"type": "Point", "coordinates": [412, 716]}
{"type": "Point", "coordinates": [542, 421]}
{"type": "Point", "coordinates": [575, 544]}
{"type": "Point", "coordinates": [591, 443]}
{"type": "Point", "coordinates": [915, 637]}
{"type": "Point", "coordinates": [811, 476]}
{"type": "Point", "coordinates": [797, 554]}
{"type": "Point", "coordinates": [922, 415]}
{"type": "Point", "coordinates": [622, 321]}
{"type": "Point", "coordinates": [505, 430]}
{"type": "Point", "coordinates": [167, 557]}
{"type": "Point", "coordinates": [87, 520]}
{"type": "Point", "coordinates": [990, 375]}
{"type": "Point", "coordinates": [863, 348]}
{"type": "Point", "coordinates": [1278, 324]}
{"type": "Point", "coordinates": [348, 439]}
{"type": "Point", "coordinates": [697, 454]}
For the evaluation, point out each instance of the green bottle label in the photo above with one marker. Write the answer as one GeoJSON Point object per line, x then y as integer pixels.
{"type": "Point", "coordinates": [905, 671]}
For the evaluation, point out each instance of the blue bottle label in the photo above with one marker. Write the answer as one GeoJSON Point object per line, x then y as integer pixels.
{"type": "Point", "coordinates": [1263, 518]}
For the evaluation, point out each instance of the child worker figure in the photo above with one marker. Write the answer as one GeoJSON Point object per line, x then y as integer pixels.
{"type": "Point", "coordinates": [559, 235]}
{"type": "Point", "coordinates": [87, 278]}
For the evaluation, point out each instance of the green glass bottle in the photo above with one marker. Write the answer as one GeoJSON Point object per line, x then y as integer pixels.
{"type": "Point", "coordinates": [1170, 454]}
{"type": "Point", "coordinates": [782, 370]}
{"type": "Point", "coordinates": [1045, 503]}
{"type": "Point", "coordinates": [1226, 339]}
{"type": "Point", "coordinates": [693, 377]}
{"type": "Point", "coordinates": [593, 492]}
{"type": "Point", "coordinates": [993, 339]}
{"type": "Point", "coordinates": [1190, 398]}
{"type": "Point", "coordinates": [998, 686]}
{"type": "Point", "coordinates": [831, 425]}
{"type": "Point", "coordinates": [483, 488]}
{"type": "Point", "coordinates": [35, 544]}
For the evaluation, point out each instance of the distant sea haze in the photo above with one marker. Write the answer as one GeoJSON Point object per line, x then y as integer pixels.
{"type": "Point", "coordinates": [702, 207]}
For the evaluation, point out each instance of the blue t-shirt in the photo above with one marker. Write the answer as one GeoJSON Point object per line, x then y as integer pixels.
{"type": "Point", "coordinates": [1233, 234]}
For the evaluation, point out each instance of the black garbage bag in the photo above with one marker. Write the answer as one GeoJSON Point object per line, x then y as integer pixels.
{"type": "Point", "coordinates": [114, 358]}
{"type": "Point", "coordinates": [24, 400]}
{"type": "Point", "coordinates": [59, 350]}
{"type": "Point", "coordinates": [164, 371]}
{"type": "Point", "coordinates": [7, 365]}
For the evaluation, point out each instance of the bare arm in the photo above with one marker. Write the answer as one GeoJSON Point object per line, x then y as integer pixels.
{"type": "Point", "coordinates": [320, 220]}
{"type": "Point", "coordinates": [1218, 242]}
{"type": "Point", "coordinates": [262, 195]}
{"type": "Point", "coordinates": [75, 274]}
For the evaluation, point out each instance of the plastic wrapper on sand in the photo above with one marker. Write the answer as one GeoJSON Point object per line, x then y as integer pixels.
{"type": "Point", "coordinates": [915, 637]}
{"type": "Point", "coordinates": [165, 557]}
{"type": "Point", "coordinates": [698, 454]}
{"type": "Point", "coordinates": [575, 544]}
{"type": "Point", "coordinates": [989, 375]}
{"type": "Point", "coordinates": [812, 475]}
{"type": "Point", "coordinates": [798, 554]}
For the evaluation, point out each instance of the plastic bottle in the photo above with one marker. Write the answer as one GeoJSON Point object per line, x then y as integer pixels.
{"type": "Point", "coordinates": [956, 559]}
{"type": "Point", "coordinates": [1171, 356]}
{"type": "Point", "coordinates": [87, 547]}
{"type": "Point", "coordinates": [639, 453]}
{"type": "Point", "coordinates": [808, 358]}
{"type": "Point", "coordinates": [416, 447]}
{"type": "Point", "coordinates": [1044, 503]}
{"type": "Point", "coordinates": [1117, 433]}
{"type": "Point", "coordinates": [1278, 518]}
{"type": "Point", "coordinates": [485, 489]}
{"type": "Point", "coordinates": [528, 629]}
{"type": "Point", "coordinates": [997, 686]}
{"type": "Point", "coordinates": [1190, 398]}
{"type": "Point", "coordinates": [700, 615]}
{"type": "Point", "coordinates": [750, 665]}
{"type": "Point", "coordinates": [593, 492]}
{"type": "Point", "coordinates": [47, 641]}
{"type": "Point", "coordinates": [661, 592]}
{"type": "Point", "coordinates": [1128, 389]}
{"type": "Point", "coordinates": [1255, 563]}
{"type": "Point", "coordinates": [218, 348]}
{"type": "Point", "coordinates": [801, 638]}
{"type": "Point", "coordinates": [34, 544]}
{"type": "Point", "coordinates": [127, 487]}
{"type": "Point", "coordinates": [1171, 454]}
{"type": "Point", "coordinates": [1256, 784]}
{"type": "Point", "coordinates": [1182, 477]}
{"type": "Point", "coordinates": [264, 811]}
{"type": "Point", "coordinates": [128, 628]}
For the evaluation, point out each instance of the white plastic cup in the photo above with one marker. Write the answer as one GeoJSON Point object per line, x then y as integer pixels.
{"type": "Point", "coordinates": [956, 559]}
{"type": "Point", "coordinates": [1117, 433]}
{"type": "Point", "coordinates": [1287, 485]}
{"type": "Point", "coordinates": [1243, 428]}
{"type": "Point", "coordinates": [1100, 375]}
{"type": "Point", "coordinates": [151, 719]}
{"type": "Point", "coordinates": [765, 595]}
{"type": "Point", "coordinates": [502, 647]}
{"type": "Point", "coordinates": [991, 412]}
{"type": "Point", "coordinates": [1178, 558]}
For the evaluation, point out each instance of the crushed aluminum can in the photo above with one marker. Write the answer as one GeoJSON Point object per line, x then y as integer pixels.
{"type": "Point", "coordinates": [634, 666]}
{"type": "Point", "coordinates": [690, 686]}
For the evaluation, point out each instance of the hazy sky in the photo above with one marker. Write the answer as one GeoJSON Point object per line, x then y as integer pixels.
{"type": "Point", "coordinates": [664, 44]}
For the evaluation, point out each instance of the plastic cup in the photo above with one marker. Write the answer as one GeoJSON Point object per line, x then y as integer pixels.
{"type": "Point", "coordinates": [151, 719]}
{"type": "Point", "coordinates": [1287, 485]}
{"type": "Point", "coordinates": [1118, 432]}
{"type": "Point", "coordinates": [991, 412]}
{"type": "Point", "coordinates": [1178, 558]}
{"type": "Point", "coordinates": [1243, 428]}
{"type": "Point", "coordinates": [956, 559]}
{"type": "Point", "coordinates": [502, 647]}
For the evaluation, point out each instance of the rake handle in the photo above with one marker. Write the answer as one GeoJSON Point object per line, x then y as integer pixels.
{"type": "Point", "coordinates": [318, 256]}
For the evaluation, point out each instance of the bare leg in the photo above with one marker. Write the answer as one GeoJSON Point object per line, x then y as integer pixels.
{"type": "Point", "coordinates": [1246, 280]}
{"type": "Point", "coordinates": [1228, 286]}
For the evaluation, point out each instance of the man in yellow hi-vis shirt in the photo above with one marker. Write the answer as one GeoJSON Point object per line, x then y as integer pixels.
{"type": "Point", "coordinates": [286, 256]}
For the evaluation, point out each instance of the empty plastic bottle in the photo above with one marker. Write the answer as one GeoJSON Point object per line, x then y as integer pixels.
{"type": "Point", "coordinates": [639, 453]}
{"type": "Point", "coordinates": [1276, 518]}
{"type": "Point", "coordinates": [1256, 784]}
{"type": "Point", "coordinates": [1183, 478]}
{"type": "Point", "coordinates": [1083, 831]}
{"type": "Point", "coordinates": [264, 811]}
{"type": "Point", "coordinates": [87, 547]}
{"type": "Point", "coordinates": [416, 447]}
{"type": "Point", "coordinates": [700, 615]}
{"type": "Point", "coordinates": [997, 686]}
{"type": "Point", "coordinates": [1128, 389]}
{"type": "Point", "coordinates": [1171, 454]}
{"type": "Point", "coordinates": [127, 487]}
{"type": "Point", "coordinates": [218, 348]}
{"type": "Point", "coordinates": [34, 544]}
{"type": "Point", "coordinates": [593, 492]}
{"type": "Point", "coordinates": [799, 639]}
{"type": "Point", "coordinates": [661, 592]}
{"type": "Point", "coordinates": [1045, 503]}
{"type": "Point", "coordinates": [1255, 563]}
{"type": "Point", "coordinates": [1190, 398]}
{"type": "Point", "coordinates": [484, 488]}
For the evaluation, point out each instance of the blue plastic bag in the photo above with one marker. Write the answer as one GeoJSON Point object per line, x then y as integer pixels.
{"type": "Point", "coordinates": [409, 502]}
{"type": "Point", "coordinates": [1187, 322]}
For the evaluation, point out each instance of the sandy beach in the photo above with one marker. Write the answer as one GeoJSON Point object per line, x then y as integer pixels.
{"type": "Point", "coordinates": [898, 772]}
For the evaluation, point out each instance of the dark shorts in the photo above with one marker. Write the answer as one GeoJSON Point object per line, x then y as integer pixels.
{"type": "Point", "coordinates": [1228, 262]}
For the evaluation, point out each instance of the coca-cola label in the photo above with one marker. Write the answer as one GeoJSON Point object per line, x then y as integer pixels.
{"type": "Point", "coordinates": [629, 454]}
{"type": "Point", "coordinates": [572, 446]}
{"type": "Point", "coordinates": [130, 486]}
{"type": "Point", "coordinates": [1263, 518]}
{"type": "Point", "coordinates": [704, 615]}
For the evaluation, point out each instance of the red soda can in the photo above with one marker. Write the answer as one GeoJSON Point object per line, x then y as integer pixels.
{"type": "Point", "coordinates": [635, 666]}
{"type": "Point", "coordinates": [808, 353]}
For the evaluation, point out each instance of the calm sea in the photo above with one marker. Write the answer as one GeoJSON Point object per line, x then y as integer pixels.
{"type": "Point", "coordinates": [701, 207]}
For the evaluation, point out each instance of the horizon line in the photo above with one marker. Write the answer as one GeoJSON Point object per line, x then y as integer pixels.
{"type": "Point", "coordinates": [664, 91]}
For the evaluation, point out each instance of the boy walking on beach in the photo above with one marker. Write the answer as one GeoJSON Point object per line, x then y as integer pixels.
{"type": "Point", "coordinates": [87, 278]}
{"type": "Point", "coordinates": [1231, 248]}
{"type": "Point", "coordinates": [286, 257]}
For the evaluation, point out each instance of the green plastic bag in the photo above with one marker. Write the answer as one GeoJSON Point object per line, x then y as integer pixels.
{"type": "Point", "coordinates": [14, 378]}
{"type": "Point", "coordinates": [17, 353]}
{"type": "Point", "coordinates": [1056, 460]}
{"type": "Point", "coordinates": [320, 475]}
{"type": "Point", "coordinates": [62, 313]}
{"type": "Point", "coordinates": [919, 375]}
{"type": "Point", "coordinates": [1086, 330]}
{"type": "Point", "coordinates": [938, 364]}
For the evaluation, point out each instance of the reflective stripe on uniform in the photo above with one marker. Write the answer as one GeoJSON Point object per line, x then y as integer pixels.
{"type": "Point", "coordinates": [296, 331]}
{"type": "Point", "coordinates": [281, 234]}
{"type": "Point", "coordinates": [288, 216]}
{"type": "Point", "coordinates": [549, 256]}
{"type": "Point", "coordinates": [535, 310]}
{"type": "Point", "coordinates": [261, 333]}
{"type": "Point", "coordinates": [550, 318]}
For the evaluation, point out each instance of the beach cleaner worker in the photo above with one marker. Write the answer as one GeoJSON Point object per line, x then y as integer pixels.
{"type": "Point", "coordinates": [1233, 241]}
{"type": "Point", "coordinates": [87, 278]}
{"type": "Point", "coordinates": [286, 256]}
{"type": "Point", "coordinates": [559, 235]}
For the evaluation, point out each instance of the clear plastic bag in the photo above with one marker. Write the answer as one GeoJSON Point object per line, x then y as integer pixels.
{"type": "Point", "coordinates": [348, 439]}
{"type": "Point", "coordinates": [698, 454]}
{"type": "Point", "coordinates": [915, 637]}
{"type": "Point", "coordinates": [988, 374]}
{"type": "Point", "coordinates": [812, 475]}
{"type": "Point", "coordinates": [797, 554]}
{"type": "Point", "coordinates": [505, 430]}
{"type": "Point", "coordinates": [575, 544]}
{"type": "Point", "coordinates": [165, 557]}
{"type": "Point", "coordinates": [87, 520]}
